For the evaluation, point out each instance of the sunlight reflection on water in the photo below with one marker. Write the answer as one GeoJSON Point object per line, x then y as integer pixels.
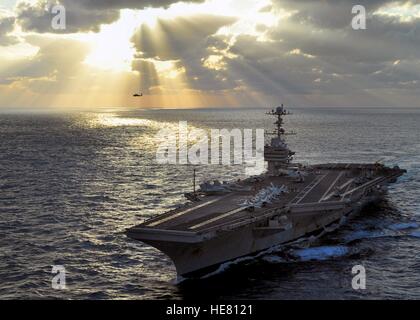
{"type": "Point", "coordinates": [70, 185]}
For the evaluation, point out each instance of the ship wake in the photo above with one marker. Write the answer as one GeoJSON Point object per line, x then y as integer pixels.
{"type": "Point", "coordinates": [303, 249]}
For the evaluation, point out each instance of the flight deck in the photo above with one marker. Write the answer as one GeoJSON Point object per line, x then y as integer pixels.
{"type": "Point", "coordinates": [320, 185]}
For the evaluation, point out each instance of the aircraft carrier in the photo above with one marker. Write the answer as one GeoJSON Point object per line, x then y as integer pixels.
{"type": "Point", "coordinates": [225, 221]}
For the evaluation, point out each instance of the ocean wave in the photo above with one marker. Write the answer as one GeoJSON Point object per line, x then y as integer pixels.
{"type": "Point", "coordinates": [69, 189]}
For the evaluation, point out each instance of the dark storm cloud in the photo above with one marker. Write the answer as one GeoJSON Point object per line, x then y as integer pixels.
{"type": "Point", "coordinates": [6, 27]}
{"type": "Point", "coordinates": [81, 15]}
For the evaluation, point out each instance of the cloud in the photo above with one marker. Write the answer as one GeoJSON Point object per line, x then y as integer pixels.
{"type": "Point", "coordinates": [385, 39]}
{"type": "Point", "coordinates": [7, 24]}
{"type": "Point", "coordinates": [312, 51]}
{"type": "Point", "coordinates": [56, 60]}
{"type": "Point", "coordinates": [81, 15]}
{"type": "Point", "coordinates": [187, 40]}
{"type": "Point", "coordinates": [37, 17]}
{"type": "Point", "coordinates": [184, 36]}
{"type": "Point", "coordinates": [148, 74]}
{"type": "Point", "coordinates": [315, 51]}
{"type": "Point", "coordinates": [56, 76]}
{"type": "Point", "coordinates": [310, 54]}
{"type": "Point", "coordinates": [124, 4]}
{"type": "Point", "coordinates": [327, 13]}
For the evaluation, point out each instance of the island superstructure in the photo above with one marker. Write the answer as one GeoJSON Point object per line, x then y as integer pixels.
{"type": "Point", "coordinates": [277, 153]}
{"type": "Point", "coordinates": [225, 221]}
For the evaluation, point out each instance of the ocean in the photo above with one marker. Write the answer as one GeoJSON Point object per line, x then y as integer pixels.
{"type": "Point", "coordinates": [71, 183]}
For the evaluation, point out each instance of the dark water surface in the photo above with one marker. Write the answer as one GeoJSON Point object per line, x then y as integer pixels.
{"type": "Point", "coordinates": [71, 184]}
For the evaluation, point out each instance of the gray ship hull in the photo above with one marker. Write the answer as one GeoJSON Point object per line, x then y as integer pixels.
{"type": "Point", "coordinates": [196, 259]}
{"type": "Point", "coordinates": [196, 252]}
{"type": "Point", "coordinates": [204, 257]}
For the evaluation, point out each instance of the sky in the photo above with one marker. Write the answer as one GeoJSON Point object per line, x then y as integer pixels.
{"type": "Point", "coordinates": [209, 53]}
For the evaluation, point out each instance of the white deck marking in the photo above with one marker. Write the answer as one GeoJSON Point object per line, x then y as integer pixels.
{"type": "Point", "coordinates": [155, 223]}
{"type": "Point", "coordinates": [363, 186]}
{"type": "Point", "coordinates": [347, 184]}
{"type": "Point", "coordinates": [347, 189]}
{"type": "Point", "coordinates": [299, 195]}
{"type": "Point", "coordinates": [227, 214]}
{"type": "Point", "coordinates": [317, 182]}
{"type": "Point", "coordinates": [331, 186]}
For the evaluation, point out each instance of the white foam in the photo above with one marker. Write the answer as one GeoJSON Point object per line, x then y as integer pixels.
{"type": "Point", "coordinates": [363, 234]}
{"type": "Point", "coordinates": [179, 279]}
{"type": "Point", "coordinates": [320, 253]}
{"type": "Point", "coordinates": [403, 226]}
{"type": "Point", "coordinates": [393, 230]}
{"type": "Point", "coordinates": [224, 266]}
{"type": "Point", "coordinates": [274, 259]}
{"type": "Point", "coordinates": [415, 234]}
